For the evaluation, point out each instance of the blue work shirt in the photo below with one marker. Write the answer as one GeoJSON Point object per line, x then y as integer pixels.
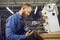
{"type": "Point", "coordinates": [15, 27]}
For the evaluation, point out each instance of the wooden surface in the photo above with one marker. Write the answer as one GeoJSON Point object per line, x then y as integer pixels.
{"type": "Point", "coordinates": [50, 35]}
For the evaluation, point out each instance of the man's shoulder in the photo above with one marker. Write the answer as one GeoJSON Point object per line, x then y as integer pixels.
{"type": "Point", "coordinates": [12, 17]}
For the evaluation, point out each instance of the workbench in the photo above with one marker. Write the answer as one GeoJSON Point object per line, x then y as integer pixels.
{"type": "Point", "coordinates": [50, 36]}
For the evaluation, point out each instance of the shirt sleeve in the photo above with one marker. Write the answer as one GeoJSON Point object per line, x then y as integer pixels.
{"type": "Point", "coordinates": [10, 24]}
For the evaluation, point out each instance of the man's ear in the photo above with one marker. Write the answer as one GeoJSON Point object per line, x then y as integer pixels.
{"type": "Point", "coordinates": [23, 8]}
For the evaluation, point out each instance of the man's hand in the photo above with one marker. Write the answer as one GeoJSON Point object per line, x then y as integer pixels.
{"type": "Point", "coordinates": [29, 33]}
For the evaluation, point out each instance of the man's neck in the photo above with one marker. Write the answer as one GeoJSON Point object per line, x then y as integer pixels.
{"type": "Point", "coordinates": [21, 12]}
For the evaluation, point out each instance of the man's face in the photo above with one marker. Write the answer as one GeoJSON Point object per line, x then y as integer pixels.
{"type": "Point", "coordinates": [27, 11]}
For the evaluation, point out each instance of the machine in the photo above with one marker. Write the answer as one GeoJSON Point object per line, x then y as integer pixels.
{"type": "Point", "coordinates": [49, 13]}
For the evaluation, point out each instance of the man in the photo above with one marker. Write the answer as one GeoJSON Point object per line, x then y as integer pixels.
{"type": "Point", "coordinates": [15, 24]}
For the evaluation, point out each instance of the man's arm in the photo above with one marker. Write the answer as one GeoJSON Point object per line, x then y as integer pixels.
{"type": "Point", "coordinates": [10, 35]}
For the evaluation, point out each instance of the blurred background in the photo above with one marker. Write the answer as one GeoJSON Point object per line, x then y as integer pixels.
{"type": "Point", "coordinates": [15, 5]}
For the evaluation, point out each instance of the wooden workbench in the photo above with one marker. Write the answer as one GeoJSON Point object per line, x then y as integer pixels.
{"type": "Point", "coordinates": [50, 35]}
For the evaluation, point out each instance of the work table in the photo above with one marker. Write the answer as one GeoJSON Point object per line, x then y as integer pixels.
{"type": "Point", "coordinates": [50, 35]}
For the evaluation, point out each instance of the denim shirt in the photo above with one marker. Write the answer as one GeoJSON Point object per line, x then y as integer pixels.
{"type": "Point", "coordinates": [15, 27]}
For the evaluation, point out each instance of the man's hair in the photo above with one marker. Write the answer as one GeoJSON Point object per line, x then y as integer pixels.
{"type": "Point", "coordinates": [26, 4]}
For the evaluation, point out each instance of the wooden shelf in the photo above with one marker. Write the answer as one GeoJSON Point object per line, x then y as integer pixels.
{"type": "Point", "coordinates": [50, 35]}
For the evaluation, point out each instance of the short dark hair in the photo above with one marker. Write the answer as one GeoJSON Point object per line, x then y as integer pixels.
{"type": "Point", "coordinates": [26, 4]}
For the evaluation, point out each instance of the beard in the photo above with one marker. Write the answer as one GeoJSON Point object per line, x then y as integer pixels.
{"type": "Point", "coordinates": [24, 15]}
